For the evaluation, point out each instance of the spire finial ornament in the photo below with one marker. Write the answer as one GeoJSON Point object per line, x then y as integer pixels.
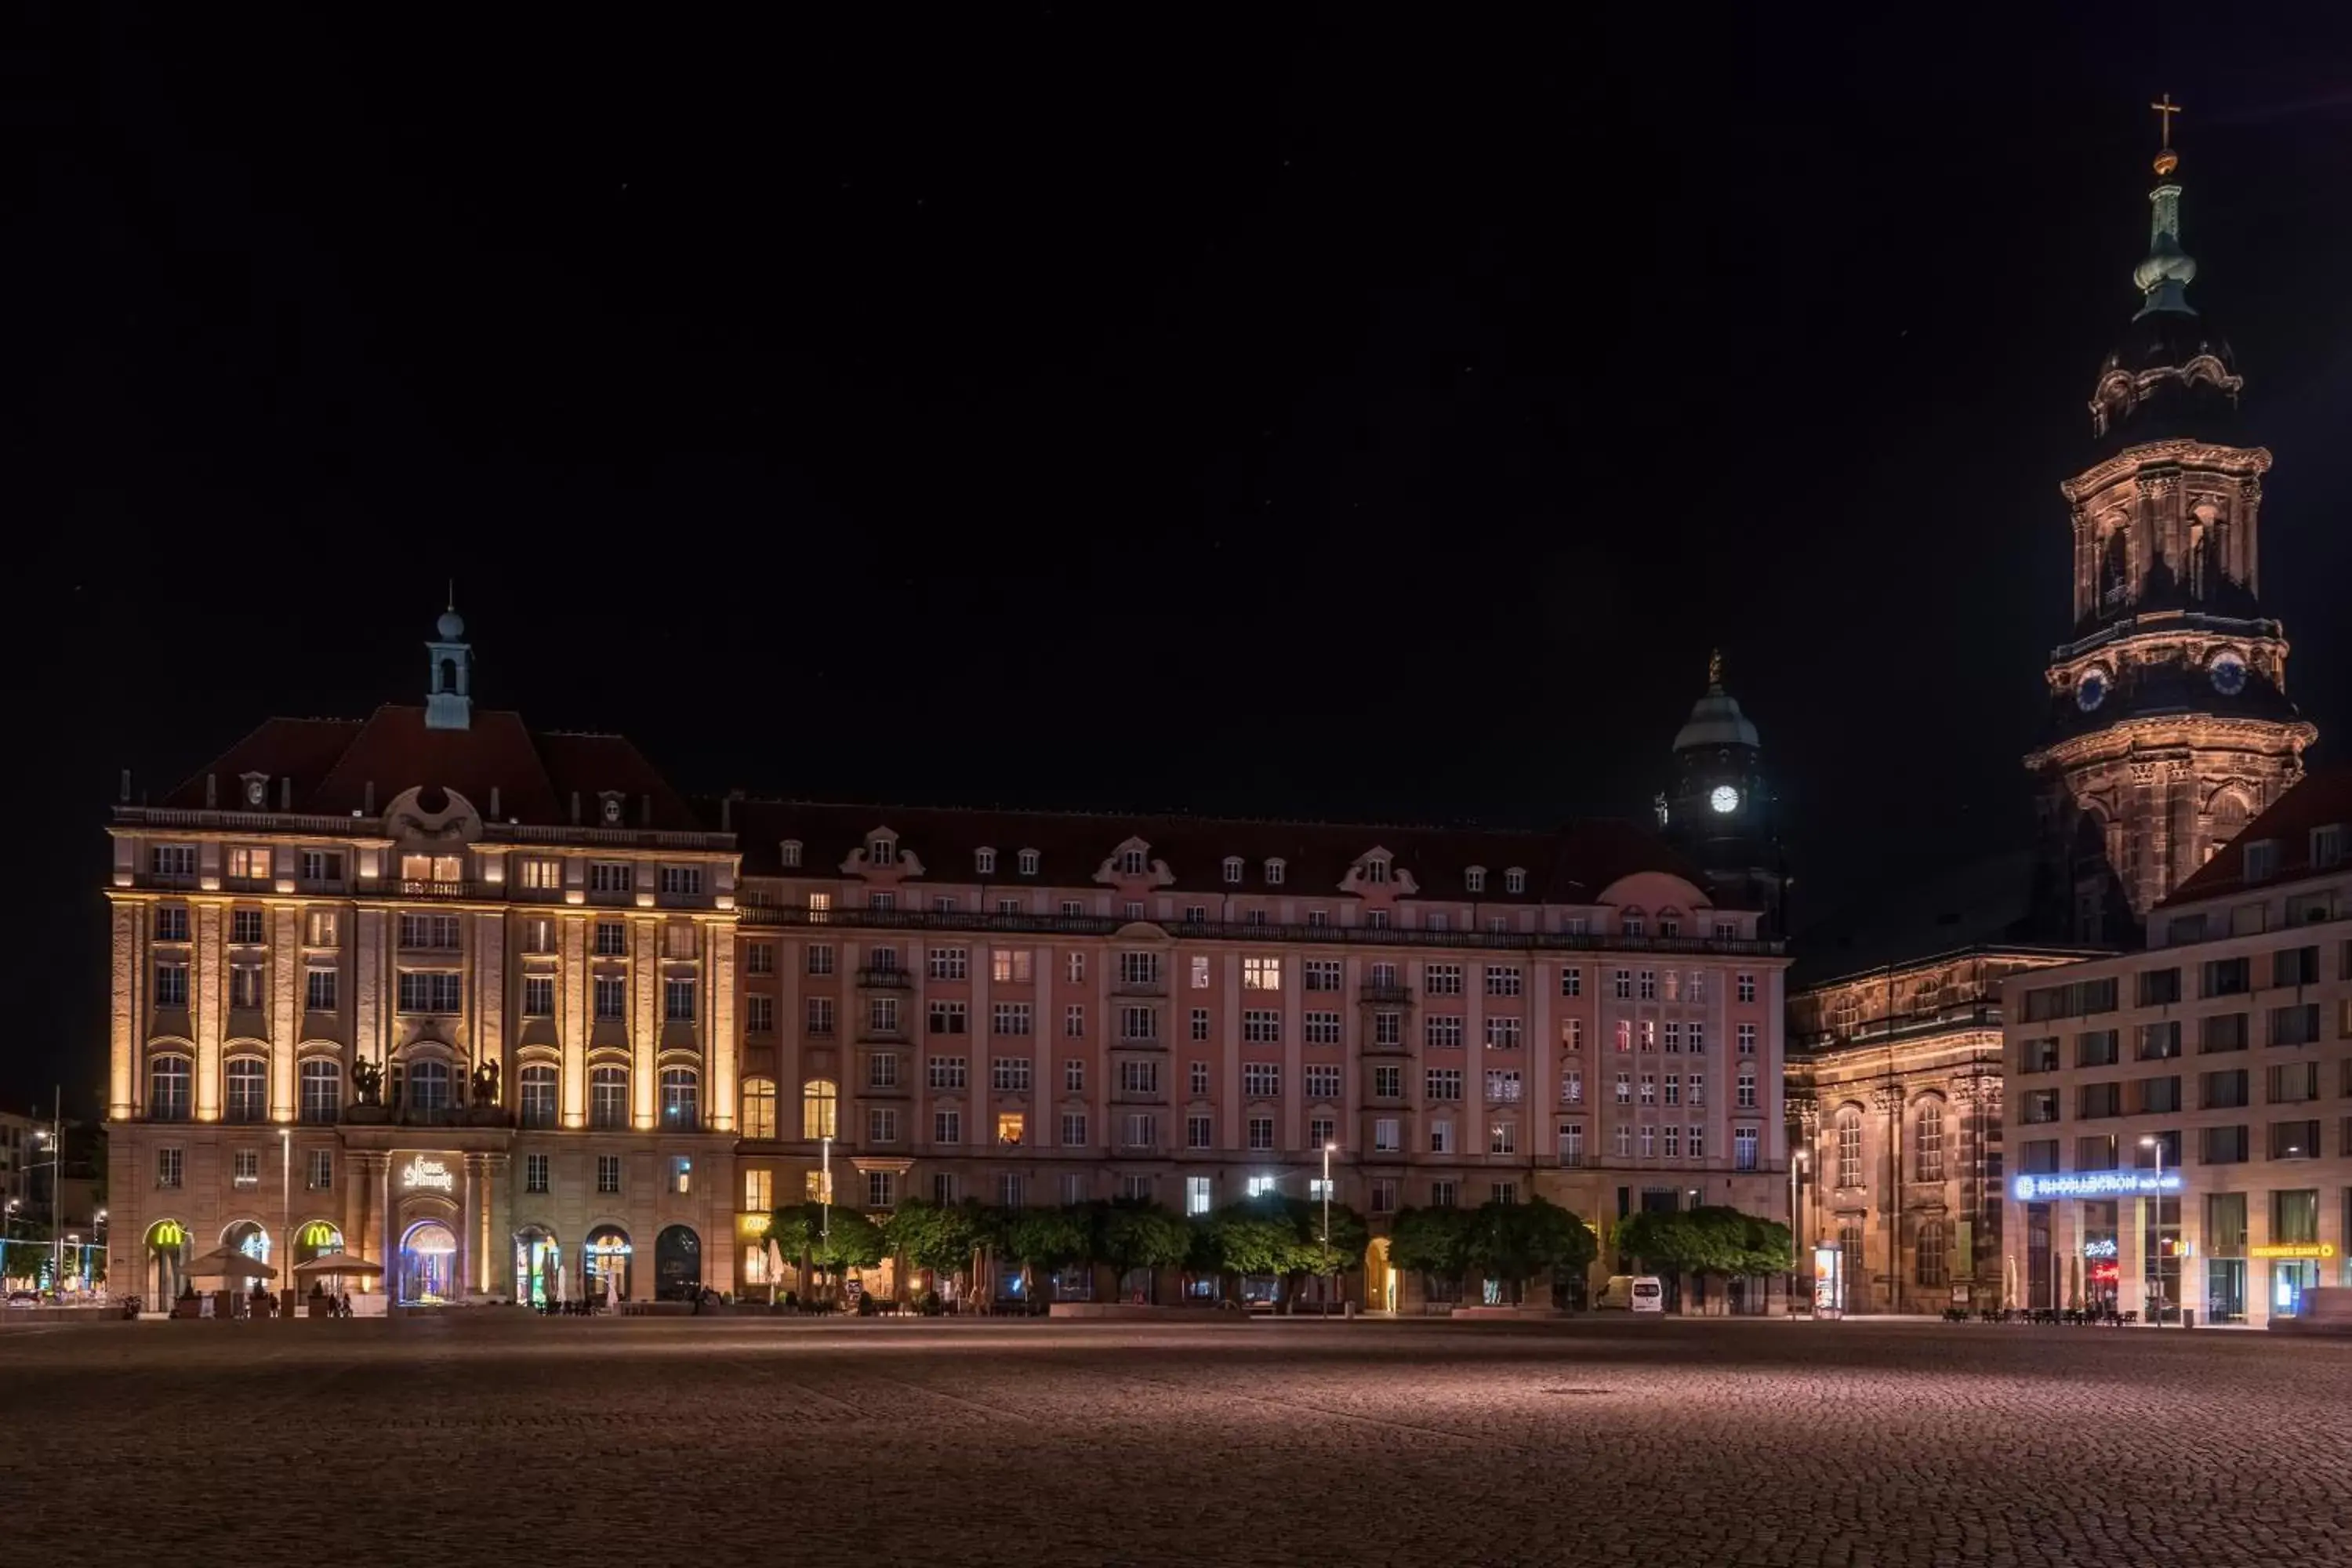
{"type": "Point", "coordinates": [1715, 669]}
{"type": "Point", "coordinates": [2167, 160]}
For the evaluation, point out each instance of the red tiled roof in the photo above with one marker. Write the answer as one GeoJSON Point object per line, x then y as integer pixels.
{"type": "Point", "coordinates": [1569, 865]}
{"type": "Point", "coordinates": [2322, 799]}
{"type": "Point", "coordinates": [333, 762]}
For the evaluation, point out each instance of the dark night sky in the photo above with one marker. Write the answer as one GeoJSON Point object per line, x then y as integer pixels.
{"type": "Point", "coordinates": [1394, 406]}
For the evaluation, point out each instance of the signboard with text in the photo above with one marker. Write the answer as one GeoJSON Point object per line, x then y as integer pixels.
{"type": "Point", "coordinates": [2092, 1185]}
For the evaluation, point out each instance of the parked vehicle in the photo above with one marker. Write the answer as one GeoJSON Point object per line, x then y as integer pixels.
{"type": "Point", "coordinates": [1649, 1294]}
{"type": "Point", "coordinates": [1633, 1293]}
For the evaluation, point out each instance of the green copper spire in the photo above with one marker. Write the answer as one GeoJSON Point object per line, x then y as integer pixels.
{"type": "Point", "coordinates": [2164, 278]}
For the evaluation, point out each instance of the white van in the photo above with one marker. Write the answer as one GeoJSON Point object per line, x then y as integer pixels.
{"type": "Point", "coordinates": [1631, 1293]}
{"type": "Point", "coordinates": [1648, 1294]}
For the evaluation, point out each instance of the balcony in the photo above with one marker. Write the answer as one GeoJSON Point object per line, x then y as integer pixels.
{"type": "Point", "coordinates": [886, 979]}
{"type": "Point", "coordinates": [406, 890]}
{"type": "Point", "coordinates": [1147, 988]}
{"type": "Point", "coordinates": [1373, 995]}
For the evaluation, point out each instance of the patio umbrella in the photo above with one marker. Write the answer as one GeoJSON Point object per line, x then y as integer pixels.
{"type": "Point", "coordinates": [336, 1263]}
{"type": "Point", "coordinates": [228, 1263]}
{"type": "Point", "coordinates": [775, 1264]}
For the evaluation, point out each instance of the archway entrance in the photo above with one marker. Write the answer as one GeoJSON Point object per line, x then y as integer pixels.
{"type": "Point", "coordinates": [167, 1263]}
{"type": "Point", "coordinates": [429, 1265]}
{"type": "Point", "coordinates": [604, 1263]}
{"type": "Point", "coordinates": [248, 1236]}
{"type": "Point", "coordinates": [1380, 1278]}
{"type": "Point", "coordinates": [316, 1239]}
{"type": "Point", "coordinates": [538, 1267]}
{"type": "Point", "coordinates": [677, 1264]}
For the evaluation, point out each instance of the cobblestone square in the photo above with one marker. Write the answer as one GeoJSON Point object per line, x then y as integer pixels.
{"type": "Point", "coordinates": [480, 1439]}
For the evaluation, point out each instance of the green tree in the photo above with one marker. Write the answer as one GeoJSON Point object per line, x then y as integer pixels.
{"type": "Point", "coordinates": [1514, 1242]}
{"type": "Point", "coordinates": [1435, 1242]}
{"type": "Point", "coordinates": [935, 1237]}
{"type": "Point", "coordinates": [1042, 1238]}
{"type": "Point", "coordinates": [1245, 1239]}
{"type": "Point", "coordinates": [1140, 1236]}
{"type": "Point", "coordinates": [801, 1232]}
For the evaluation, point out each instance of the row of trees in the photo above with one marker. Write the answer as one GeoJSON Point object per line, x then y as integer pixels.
{"type": "Point", "coordinates": [1509, 1242]}
{"type": "Point", "coordinates": [1282, 1236]}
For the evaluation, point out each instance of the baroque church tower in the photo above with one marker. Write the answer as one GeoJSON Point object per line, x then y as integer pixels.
{"type": "Point", "coordinates": [2170, 725]}
{"type": "Point", "coordinates": [1720, 810]}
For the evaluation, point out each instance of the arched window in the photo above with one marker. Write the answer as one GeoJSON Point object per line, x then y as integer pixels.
{"type": "Point", "coordinates": [428, 1085]}
{"type": "Point", "coordinates": [681, 1100]}
{"type": "Point", "coordinates": [1515, 880]}
{"type": "Point", "coordinates": [248, 1090]}
{"type": "Point", "coordinates": [168, 1079]}
{"type": "Point", "coordinates": [538, 1090]}
{"type": "Point", "coordinates": [605, 1256]}
{"type": "Point", "coordinates": [2114, 569]}
{"type": "Point", "coordinates": [1935, 1242]}
{"type": "Point", "coordinates": [677, 1264]}
{"type": "Point", "coordinates": [758, 1108]}
{"type": "Point", "coordinates": [248, 1238]}
{"type": "Point", "coordinates": [1927, 1143]}
{"type": "Point", "coordinates": [323, 1091]}
{"type": "Point", "coordinates": [1274, 873]}
{"type": "Point", "coordinates": [1474, 880]}
{"type": "Point", "coordinates": [1848, 1146]}
{"type": "Point", "coordinates": [820, 1108]}
{"type": "Point", "coordinates": [1232, 869]}
{"type": "Point", "coordinates": [608, 1097]}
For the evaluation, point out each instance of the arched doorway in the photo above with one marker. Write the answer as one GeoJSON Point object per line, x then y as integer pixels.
{"type": "Point", "coordinates": [605, 1255]}
{"type": "Point", "coordinates": [538, 1267]}
{"type": "Point", "coordinates": [677, 1264]}
{"type": "Point", "coordinates": [167, 1263]}
{"type": "Point", "coordinates": [248, 1236]}
{"type": "Point", "coordinates": [1380, 1278]}
{"type": "Point", "coordinates": [316, 1239]}
{"type": "Point", "coordinates": [429, 1265]}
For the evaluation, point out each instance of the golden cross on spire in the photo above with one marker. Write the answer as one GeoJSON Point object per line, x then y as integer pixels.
{"type": "Point", "coordinates": [1714, 668]}
{"type": "Point", "coordinates": [2164, 110]}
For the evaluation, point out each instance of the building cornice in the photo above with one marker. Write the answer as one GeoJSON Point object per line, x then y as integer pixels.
{"type": "Point", "coordinates": [2240, 462]}
{"type": "Point", "coordinates": [2194, 732]}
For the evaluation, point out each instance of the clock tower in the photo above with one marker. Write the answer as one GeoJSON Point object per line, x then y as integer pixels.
{"type": "Point", "coordinates": [1719, 811]}
{"type": "Point", "coordinates": [2169, 723]}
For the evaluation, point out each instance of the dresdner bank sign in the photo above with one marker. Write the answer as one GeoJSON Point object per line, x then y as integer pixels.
{"type": "Point", "coordinates": [2093, 1184]}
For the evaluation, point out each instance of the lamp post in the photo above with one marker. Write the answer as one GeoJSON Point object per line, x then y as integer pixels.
{"type": "Point", "coordinates": [2156, 1259]}
{"type": "Point", "coordinates": [97, 1241]}
{"type": "Point", "coordinates": [7, 1234]}
{"type": "Point", "coordinates": [1797, 1163]}
{"type": "Point", "coordinates": [1326, 1226]}
{"type": "Point", "coordinates": [285, 1211]}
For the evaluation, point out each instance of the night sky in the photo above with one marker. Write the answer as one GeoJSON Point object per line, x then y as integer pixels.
{"type": "Point", "coordinates": [1344, 414]}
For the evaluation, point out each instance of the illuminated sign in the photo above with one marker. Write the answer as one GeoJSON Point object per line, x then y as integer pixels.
{"type": "Point", "coordinates": [2099, 1249]}
{"type": "Point", "coordinates": [319, 1233]}
{"type": "Point", "coordinates": [2093, 1184]}
{"type": "Point", "coordinates": [168, 1232]}
{"type": "Point", "coordinates": [427, 1175]}
{"type": "Point", "coordinates": [2294, 1249]}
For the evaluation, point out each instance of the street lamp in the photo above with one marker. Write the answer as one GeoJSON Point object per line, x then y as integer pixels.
{"type": "Point", "coordinates": [1327, 1148]}
{"type": "Point", "coordinates": [2155, 1260]}
{"type": "Point", "coordinates": [285, 1203]}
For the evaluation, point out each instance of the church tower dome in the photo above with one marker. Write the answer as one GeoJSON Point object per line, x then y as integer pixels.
{"type": "Point", "coordinates": [1719, 810]}
{"type": "Point", "coordinates": [2168, 721]}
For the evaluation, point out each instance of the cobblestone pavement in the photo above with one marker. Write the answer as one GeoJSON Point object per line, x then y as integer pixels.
{"type": "Point", "coordinates": [471, 1439]}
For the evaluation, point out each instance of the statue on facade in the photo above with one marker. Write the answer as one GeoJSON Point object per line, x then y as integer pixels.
{"type": "Point", "coordinates": [486, 1085]}
{"type": "Point", "coordinates": [367, 1083]}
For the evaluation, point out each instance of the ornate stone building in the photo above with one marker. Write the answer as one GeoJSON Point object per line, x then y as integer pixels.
{"type": "Point", "coordinates": [2170, 725]}
{"type": "Point", "coordinates": [1895, 1110]}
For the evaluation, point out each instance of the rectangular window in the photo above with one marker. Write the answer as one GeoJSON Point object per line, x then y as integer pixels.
{"type": "Point", "coordinates": [612, 996]}
{"type": "Point", "coordinates": [1648, 987]}
{"type": "Point", "coordinates": [1322, 1028]}
{"type": "Point", "coordinates": [1502, 1033]}
{"type": "Point", "coordinates": [881, 1124]}
{"type": "Point", "coordinates": [1743, 1090]}
{"type": "Point", "coordinates": [608, 1173]}
{"type": "Point", "coordinates": [1009, 1074]}
{"type": "Point", "coordinates": [1261, 1080]}
{"type": "Point", "coordinates": [2294, 1141]}
{"type": "Point", "coordinates": [681, 880]}
{"type": "Point", "coordinates": [759, 1015]}
{"type": "Point", "coordinates": [171, 985]}
{"type": "Point", "coordinates": [1200, 1079]}
{"type": "Point", "coordinates": [1571, 1144]}
{"type": "Point", "coordinates": [1441, 979]}
{"type": "Point", "coordinates": [947, 1072]}
{"type": "Point", "coordinates": [1074, 1130]}
{"type": "Point", "coordinates": [1673, 1141]}
{"type": "Point", "coordinates": [1441, 1137]}
{"type": "Point", "coordinates": [1442, 1083]}
{"type": "Point", "coordinates": [759, 1191]}
{"type": "Point", "coordinates": [1073, 1075]}
{"type": "Point", "coordinates": [319, 1170]}
{"type": "Point", "coordinates": [1745, 987]}
{"type": "Point", "coordinates": [1388, 1028]}
{"type": "Point", "coordinates": [1442, 1031]}
{"type": "Point", "coordinates": [1138, 1024]}
{"type": "Point", "coordinates": [1743, 1148]}
{"type": "Point", "coordinates": [820, 958]}
{"type": "Point", "coordinates": [1138, 1077]}
{"type": "Point", "coordinates": [244, 985]}
{"type": "Point", "coordinates": [2223, 1145]}
{"type": "Point", "coordinates": [1747, 1040]}
{"type": "Point", "coordinates": [612, 940]}
{"type": "Point", "coordinates": [430, 992]}
{"type": "Point", "coordinates": [1262, 1026]}
{"type": "Point", "coordinates": [1196, 1195]}
{"type": "Point", "coordinates": [1323, 1082]}
{"type": "Point", "coordinates": [173, 861]}
{"type": "Point", "coordinates": [1010, 965]}
{"type": "Point", "coordinates": [1261, 973]}
{"type": "Point", "coordinates": [882, 1070]}
{"type": "Point", "coordinates": [1011, 1017]}
{"type": "Point", "coordinates": [949, 1018]}
{"type": "Point", "coordinates": [1504, 979]}
{"type": "Point", "coordinates": [1200, 1023]}
{"type": "Point", "coordinates": [318, 991]}
{"type": "Point", "coordinates": [538, 996]}
{"type": "Point", "coordinates": [677, 1000]}
{"type": "Point", "coordinates": [1571, 1086]}
{"type": "Point", "coordinates": [1503, 1086]}
{"type": "Point", "coordinates": [611, 877]}
{"type": "Point", "coordinates": [1322, 973]}
{"type": "Point", "coordinates": [1200, 1133]}
{"type": "Point", "coordinates": [534, 1173]}
{"type": "Point", "coordinates": [1260, 1133]}
{"type": "Point", "coordinates": [947, 1126]}
{"type": "Point", "coordinates": [881, 1189]}
{"type": "Point", "coordinates": [1139, 1129]}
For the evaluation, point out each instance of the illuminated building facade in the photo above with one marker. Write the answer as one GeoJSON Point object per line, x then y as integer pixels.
{"type": "Point", "coordinates": [498, 1008]}
{"type": "Point", "coordinates": [2221, 1056]}
{"type": "Point", "coordinates": [2170, 725]}
{"type": "Point", "coordinates": [445, 993]}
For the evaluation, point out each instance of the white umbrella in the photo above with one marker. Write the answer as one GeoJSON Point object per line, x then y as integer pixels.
{"type": "Point", "coordinates": [227, 1263]}
{"type": "Point", "coordinates": [775, 1265]}
{"type": "Point", "coordinates": [337, 1263]}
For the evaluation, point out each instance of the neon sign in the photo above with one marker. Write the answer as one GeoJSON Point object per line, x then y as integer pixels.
{"type": "Point", "coordinates": [431, 1176]}
{"type": "Point", "coordinates": [2100, 1249]}
{"type": "Point", "coordinates": [2093, 1184]}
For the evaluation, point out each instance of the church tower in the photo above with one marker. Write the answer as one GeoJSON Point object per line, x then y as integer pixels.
{"type": "Point", "coordinates": [449, 689]}
{"type": "Point", "coordinates": [1719, 811]}
{"type": "Point", "coordinates": [2170, 725]}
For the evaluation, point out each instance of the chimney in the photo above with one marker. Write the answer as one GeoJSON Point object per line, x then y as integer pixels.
{"type": "Point", "coordinates": [212, 791]}
{"type": "Point", "coordinates": [126, 786]}
{"type": "Point", "coordinates": [286, 793]}
{"type": "Point", "coordinates": [575, 808]}
{"type": "Point", "coordinates": [494, 803]}
{"type": "Point", "coordinates": [367, 798]}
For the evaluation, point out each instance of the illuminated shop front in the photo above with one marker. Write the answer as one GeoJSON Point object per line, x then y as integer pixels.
{"type": "Point", "coordinates": [538, 1267]}
{"type": "Point", "coordinates": [429, 1265]}
{"type": "Point", "coordinates": [607, 1257]}
{"type": "Point", "coordinates": [167, 1261]}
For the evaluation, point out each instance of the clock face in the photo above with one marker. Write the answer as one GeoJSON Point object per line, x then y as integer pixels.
{"type": "Point", "coordinates": [1724, 799]}
{"type": "Point", "coordinates": [612, 811]}
{"type": "Point", "coordinates": [255, 790]}
{"type": "Point", "coordinates": [2091, 691]}
{"type": "Point", "coordinates": [2229, 674]}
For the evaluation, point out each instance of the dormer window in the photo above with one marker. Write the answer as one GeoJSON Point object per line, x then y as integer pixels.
{"type": "Point", "coordinates": [1515, 880]}
{"type": "Point", "coordinates": [2261, 860]}
{"type": "Point", "coordinates": [788, 854]}
{"type": "Point", "coordinates": [1028, 862]}
{"type": "Point", "coordinates": [1274, 873]}
{"type": "Point", "coordinates": [1475, 879]}
{"type": "Point", "coordinates": [1130, 862]}
{"type": "Point", "coordinates": [1376, 869]}
{"type": "Point", "coordinates": [983, 862]}
{"type": "Point", "coordinates": [881, 852]}
{"type": "Point", "coordinates": [1234, 870]}
{"type": "Point", "coordinates": [2326, 847]}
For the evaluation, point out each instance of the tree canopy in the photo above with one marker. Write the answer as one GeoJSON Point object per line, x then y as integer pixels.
{"type": "Point", "coordinates": [798, 1230]}
{"type": "Point", "coordinates": [1511, 1242]}
{"type": "Point", "coordinates": [1434, 1241]}
{"type": "Point", "coordinates": [1711, 1239]}
{"type": "Point", "coordinates": [1044, 1238]}
{"type": "Point", "coordinates": [1139, 1236]}
{"type": "Point", "coordinates": [937, 1237]}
